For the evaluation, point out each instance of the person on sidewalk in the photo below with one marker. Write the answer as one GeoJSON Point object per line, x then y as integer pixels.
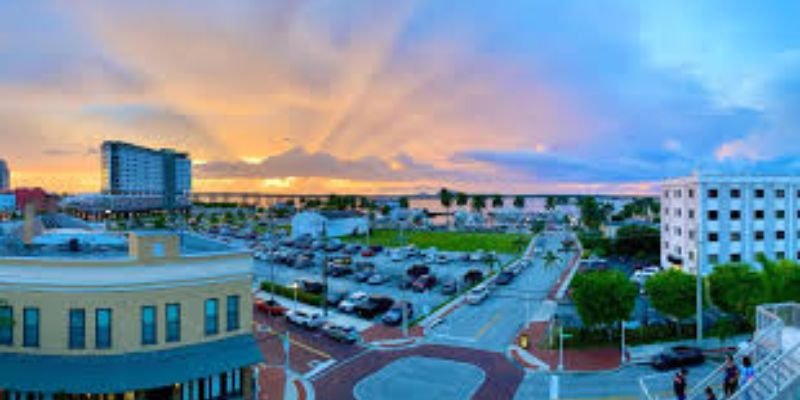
{"type": "Point", "coordinates": [731, 380]}
{"type": "Point", "coordinates": [710, 393]}
{"type": "Point", "coordinates": [679, 384]}
{"type": "Point", "coordinates": [748, 373]}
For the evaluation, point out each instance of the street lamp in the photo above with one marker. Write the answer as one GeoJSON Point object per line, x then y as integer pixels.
{"type": "Point", "coordinates": [295, 286]}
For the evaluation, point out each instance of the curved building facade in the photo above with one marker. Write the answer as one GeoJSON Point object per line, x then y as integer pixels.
{"type": "Point", "coordinates": [142, 326]}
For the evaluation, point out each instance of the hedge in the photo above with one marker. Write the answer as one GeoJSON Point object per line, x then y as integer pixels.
{"type": "Point", "coordinates": [288, 292]}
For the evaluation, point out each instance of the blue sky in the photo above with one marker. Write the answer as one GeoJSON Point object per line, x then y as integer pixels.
{"type": "Point", "coordinates": [373, 96]}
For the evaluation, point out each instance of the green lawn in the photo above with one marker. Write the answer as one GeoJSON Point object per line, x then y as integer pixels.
{"type": "Point", "coordinates": [449, 241]}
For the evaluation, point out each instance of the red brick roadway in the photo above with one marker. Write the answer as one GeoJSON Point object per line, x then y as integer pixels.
{"type": "Point", "coordinates": [598, 359]}
{"type": "Point", "coordinates": [503, 377]}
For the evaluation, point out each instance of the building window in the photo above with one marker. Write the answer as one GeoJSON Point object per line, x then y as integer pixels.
{"type": "Point", "coordinates": [759, 235]}
{"type": "Point", "coordinates": [691, 213]}
{"type": "Point", "coordinates": [233, 313]}
{"type": "Point", "coordinates": [691, 235]}
{"type": "Point", "coordinates": [666, 194]}
{"type": "Point", "coordinates": [713, 259]}
{"type": "Point", "coordinates": [212, 316]}
{"type": "Point", "coordinates": [736, 236]}
{"type": "Point", "coordinates": [759, 193]}
{"type": "Point", "coordinates": [759, 214]}
{"type": "Point", "coordinates": [713, 193]}
{"type": "Point", "coordinates": [736, 193]}
{"type": "Point", "coordinates": [780, 214]}
{"type": "Point", "coordinates": [148, 325]}
{"type": "Point", "coordinates": [691, 193]}
{"type": "Point", "coordinates": [6, 326]}
{"type": "Point", "coordinates": [77, 328]}
{"type": "Point", "coordinates": [713, 215]}
{"type": "Point", "coordinates": [102, 328]}
{"type": "Point", "coordinates": [691, 255]}
{"type": "Point", "coordinates": [666, 211]}
{"type": "Point", "coordinates": [780, 235]}
{"type": "Point", "coordinates": [678, 212]}
{"type": "Point", "coordinates": [736, 257]}
{"type": "Point", "coordinates": [780, 255]}
{"type": "Point", "coordinates": [666, 245]}
{"type": "Point", "coordinates": [173, 318]}
{"type": "Point", "coordinates": [736, 215]}
{"type": "Point", "coordinates": [780, 193]}
{"type": "Point", "coordinates": [30, 327]}
{"type": "Point", "coordinates": [678, 193]}
{"type": "Point", "coordinates": [713, 236]}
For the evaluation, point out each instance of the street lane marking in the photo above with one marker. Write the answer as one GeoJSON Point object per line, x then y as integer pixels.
{"type": "Point", "coordinates": [488, 325]}
{"type": "Point", "coordinates": [304, 346]}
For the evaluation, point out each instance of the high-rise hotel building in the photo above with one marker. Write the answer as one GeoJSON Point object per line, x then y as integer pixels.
{"type": "Point", "coordinates": [132, 170]}
{"type": "Point", "coordinates": [713, 219]}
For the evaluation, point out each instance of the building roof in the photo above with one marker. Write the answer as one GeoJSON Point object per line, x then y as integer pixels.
{"type": "Point", "coordinates": [121, 373]}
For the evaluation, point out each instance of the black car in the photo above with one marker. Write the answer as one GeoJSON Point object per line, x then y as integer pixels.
{"type": "Point", "coordinates": [473, 277]}
{"type": "Point", "coordinates": [678, 356]}
{"type": "Point", "coordinates": [309, 286]}
{"type": "Point", "coordinates": [418, 270]}
{"type": "Point", "coordinates": [339, 270]}
{"type": "Point", "coordinates": [504, 278]}
{"type": "Point", "coordinates": [395, 314]}
{"type": "Point", "coordinates": [376, 249]}
{"type": "Point", "coordinates": [374, 306]}
{"type": "Point", "coordinates": [449, 286]}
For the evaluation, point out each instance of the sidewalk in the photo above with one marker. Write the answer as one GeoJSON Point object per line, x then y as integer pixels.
{"type": "Point", "coordinates": [600, 359]}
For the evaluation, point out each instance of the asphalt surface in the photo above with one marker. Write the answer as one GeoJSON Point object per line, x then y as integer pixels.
{"type": "Point", "coordinates": [493, 324]}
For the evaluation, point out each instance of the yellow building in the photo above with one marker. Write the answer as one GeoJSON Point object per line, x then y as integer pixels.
{"type": "Point", "coordinates": [151, 323]}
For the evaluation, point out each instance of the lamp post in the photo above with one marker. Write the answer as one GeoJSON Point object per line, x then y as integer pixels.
{"type": "Point", "coordinates": [622, 347]}
{"type": "Point", "coordinates": [560, 348]}
{"type": "Point", "coordinates": [295, 286]}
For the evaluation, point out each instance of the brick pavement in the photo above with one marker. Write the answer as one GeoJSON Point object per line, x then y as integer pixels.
{"type": "Point", "coordinates": [382, 332]}
{"type": "Point", "coordinates": [503, 377]}
{"type": "Point", "coordinates": [597, 359]}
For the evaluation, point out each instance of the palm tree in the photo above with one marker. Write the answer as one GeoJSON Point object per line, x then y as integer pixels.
{"type": "Point", "coordinates": [461, 199]}
{"type": "Point", "coordinates": [497, 201]}
{"type": "Point", "coordinates": [446, 198]}
{"type": "Point", "coordinates": [550, 203]}
{"type": "Point", "coordinates": [478, 203]}
{"type": "Point", "coordinates": [550, 259]}
{"type": "Point", "coordinates": [519, 202]}
{"type": "Point", "coordinates": [403, 202]}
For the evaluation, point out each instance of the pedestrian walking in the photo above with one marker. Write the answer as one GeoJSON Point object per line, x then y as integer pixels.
{"type": "Point", "coordinates": [679, 384]}
{"type": "Point", "coordinates": [731, 382]}
{"type": "Point", "coordinates": [710, 393]}
{"type": "Point", "coordinates": [748, 373]}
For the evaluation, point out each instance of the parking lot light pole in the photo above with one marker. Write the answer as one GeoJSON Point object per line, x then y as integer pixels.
{"type": "Point", "coordinates": [295, 287]}
{"type": "Point", "coordinates": [622, 348]}
{"type": "Point", "coordinates": [560, 348]}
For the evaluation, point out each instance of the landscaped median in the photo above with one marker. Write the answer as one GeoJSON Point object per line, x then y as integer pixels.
{"type": "Point", "coordinates": [507, 243]}
{"type": "Point", "coordinates": [289, 293]}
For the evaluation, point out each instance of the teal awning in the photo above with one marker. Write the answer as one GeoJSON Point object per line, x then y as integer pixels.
{"type": "Point", "coordinates": [121, 373]}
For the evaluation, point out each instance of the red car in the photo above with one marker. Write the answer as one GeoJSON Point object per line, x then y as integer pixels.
{"type": "Point", "coordinates": [270, 307]}
{"type": "Point", "coordinates": [368, 253]}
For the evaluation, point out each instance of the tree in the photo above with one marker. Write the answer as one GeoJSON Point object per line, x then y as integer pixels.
{"type": "Point", "coordinates": [519, 202]}
{"type": "Point", "coordinates": [736, 288]}
{"type": "Point", "coordinates": [593, 214]}
{"type": "Point", "coordinates": [385, 210]}
{"type": "Point", "coordinates": [673, 293]}
{"type": "Point", "coordinates": [550, 203]}
{"type": "Point", "coordinates": [403, 202]}
{"type": "Point", "coordinates": [781, 279]}
{"type": "Point", "coordinates": [603, 298]}
{"type": "Point", "coordinates": [446, 198]}
{"type": "Point", "coordinates": [478, 202]}
{"type": "Point", "coordinates": [497, 201]}
{"type": "Point", "coordinates": [638, 241]}
{"type": "Point", "coordinates": [550, 259]}
{"type": "Point", "coordinates": [538, 226]}
{"type": "Point", "coordinates": [462, 199]}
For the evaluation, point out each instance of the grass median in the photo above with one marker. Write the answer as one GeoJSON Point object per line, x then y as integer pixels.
{"type": "Point", "coordinates": [507, 243]}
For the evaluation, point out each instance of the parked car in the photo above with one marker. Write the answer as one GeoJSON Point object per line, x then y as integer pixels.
{"type": "Point", "coordinates": [373, 306]}
{"type": "Point", "coordinates": [339, 270]}
{"type": "Point", "coordinates": [424, 283]}
{"type": "Point", "coordinates": [504, 278]}
{"type": "Point", "coordinates": [340, 333]}
{"type": "Point", "coordinates": [352, 249]}
{"type": "Point", "coordinates": [442, 258]}
{"type": "Point", "coordinates": [516, 267]}
{"type": "Point", "coordinates": [342, 260]}
{"type": "Point", "coordinates": [377, 279]}
{"type": "Point", "coordinates": [354, 299]}
{"type": "Point", "coordinates": [367, 253]}
{"type": "Point", "coordinates": [476, 256]}
{"type": "Point", "coordinates": [376, 248]}
{"type": "Point", "coordinates": [406, 283]}
{"type": "Point", "coordinates": [310, 286]}
{"type": "Point", "coordinates": [335, 297]}
{"type": "Point", "coordinates": [363, 276]}
{"type": "Point", "coordinates": [472, 277]}
{"type": "Point", "coordinates": [678, 356]}
{"type": "Point", "coordinates": [477, 295]}
{"type": "Point", "coordinates": [417, 270]}
{"type": "Point", "coordinates": [305, 319]}
{"type": "Point", "coordinates": [395, 314]}
{"type": "Point", "coordinates": [270, 307]}
{"type": "Point", "coordinates": [449, 286]}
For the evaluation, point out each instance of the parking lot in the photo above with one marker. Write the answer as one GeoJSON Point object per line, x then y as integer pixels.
{"type": "Point", "coordinates": [393, 271]}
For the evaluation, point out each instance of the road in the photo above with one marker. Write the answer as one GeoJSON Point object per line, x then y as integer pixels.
{"type": "Point", "coordinates": [493, 324]}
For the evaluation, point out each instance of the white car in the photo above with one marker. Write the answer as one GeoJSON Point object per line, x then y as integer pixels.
{"type": "Point", "coordinates": [349, 304]}
{"type": "Point", "coordinates": [397, 255]}
{"type": "Point", "coordinates": [476, 256]}
{"type": "Point", "coordinates": [306, 319]}
{"type": "Point", "coordinates": [377, 279]}
{"type": "Point", "coordinates": [477, 295]}
{"type": "Point", "coordinates": [442, 258]}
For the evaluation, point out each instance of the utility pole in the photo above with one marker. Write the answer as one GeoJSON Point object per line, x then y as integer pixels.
{"type": "Point", "coordinates": [324, 271]}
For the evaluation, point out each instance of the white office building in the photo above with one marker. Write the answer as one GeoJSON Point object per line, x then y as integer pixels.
{"type": "Point", "coordinates": [131, 170]}
{"type": "Point", "coordinates": [714, 219]}
{"type": "Point", "coordinates": [5, 176]}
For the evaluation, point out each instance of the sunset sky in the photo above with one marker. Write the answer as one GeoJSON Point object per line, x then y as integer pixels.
{"type": "Point", "coordinates": [403, 96]}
